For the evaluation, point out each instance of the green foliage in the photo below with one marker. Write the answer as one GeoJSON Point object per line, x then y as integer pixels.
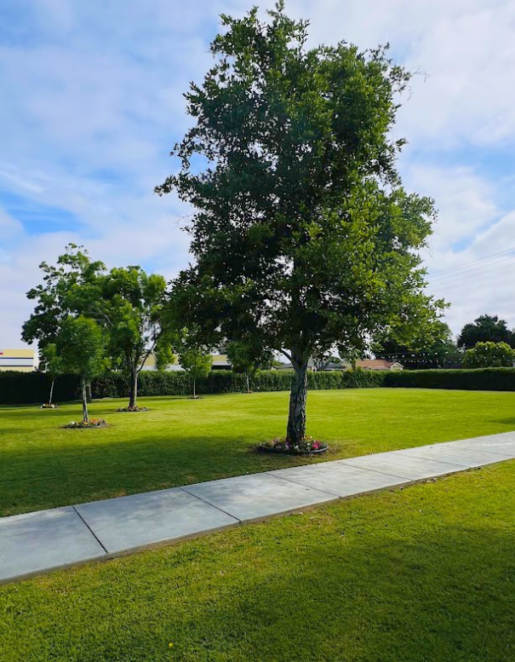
{"type": "Point", "coordinates": [304, 237]}
{"type": "Point", "coordinates": [131, 309]}
{"type": "Point", "coordinates": [132, 303]}
{"type": "Point", "coordinates": [195, 358]}
{"type": "Point", "coordinates": [294, 225]}
{"type": "Point", "coordinates": [81, 347]}
{"type": "Point", "coordinates": [486, 328]}
{"type": "Point", "coordinates": [486, 379]}
{"type": "Point", "coordinates": [18, 388]}
{"type": "Point", "coordinates": [51, 360]}
{"type": "Point", "coordinates": [70, 287]}
{"type": "Point", "coordinates": [434, 348]}
{"type": "Point", "coordinates": [26, 388]}
{"type": "Point", "coordinates": [489, 355]}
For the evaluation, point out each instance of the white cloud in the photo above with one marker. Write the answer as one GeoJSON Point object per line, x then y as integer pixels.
{"type": "Point", "coordinates": [93, 104]}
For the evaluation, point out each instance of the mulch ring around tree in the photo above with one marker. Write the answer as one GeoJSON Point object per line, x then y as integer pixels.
{"type": "Point", "coordinates": [93, 423]}
{"type": "Point", "coordinates": [131, 410]}
{"type": "Point", "coordinates": [47, 406]}
{"type": "Point", "coordinates": [308, 446]}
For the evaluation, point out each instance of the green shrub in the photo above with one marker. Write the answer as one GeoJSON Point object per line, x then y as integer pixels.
{"type": "Point", "coordinates": [489, 355]}
{"type": "Point", "coordinates": [33, 387]}
{"type": "Point", "coordinates": [484, 379]}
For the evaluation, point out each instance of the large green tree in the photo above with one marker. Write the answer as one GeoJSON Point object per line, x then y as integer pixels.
{"type": "Point", "coordinates": [303, 236]}
{"type": "Point", "coordinates": [486, 328]}
{"type": "Point", "coordinates": [131, 307]}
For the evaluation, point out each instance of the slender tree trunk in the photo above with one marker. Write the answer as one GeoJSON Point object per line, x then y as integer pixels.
{"type": "Point", "coordinates": [85, 415]}
{"type": "Point", "coordinates": [133, 395]}
{"type": "Point", "coordinates": [296, 430]}
{"type": "Point", "coordinates": [88, 387]}
{"type": "Point", "coordinates": [194, 394]}
{"type": "Point", "coordinates": [248, 382]}
{"type": "Point", "coordinates": [51, 391]}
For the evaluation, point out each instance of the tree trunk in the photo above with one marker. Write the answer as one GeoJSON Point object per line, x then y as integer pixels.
{"type": "Point", "coordinates": [51, 391]}
{"type": "Point", "coordinates": [133, 395]}
{"type": "Point", "coordinates": [85, 415]}
{"type": "Point", "coordinates": [248, 382]}
{"type": "Point", "coordinates": [88, 391]}
{"type": "Point", "coordinates": [296, 430]}
{"type": "Point", "coordinates": [194, 394]}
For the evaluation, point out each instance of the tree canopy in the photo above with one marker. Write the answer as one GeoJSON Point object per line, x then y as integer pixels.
{"type": "Point", "coordinates": [70, 287]}
{"type": "Point", "coordinates": [303, 236]}
{"type": "Point", "coordinates": [489, 355]}
{"type": "Point", "coordinates": [130, 305]}
{"type": "Point", "coordinates": [437, 349]}
{"type": "Point", "coordinates": [486, 328]}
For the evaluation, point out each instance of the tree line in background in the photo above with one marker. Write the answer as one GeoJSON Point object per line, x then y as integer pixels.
{"type": "Point", "coordinates": [486, 342]}
{"type": "Point", "coordinates": [305, 242]}
{"type": "Point", "coordinates": [88, 320]}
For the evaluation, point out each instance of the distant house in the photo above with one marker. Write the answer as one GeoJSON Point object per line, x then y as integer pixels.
{"type": "Point", "coordinates": [378, 364]}
{"type": "Point", "coordinates": [220, 362]}
{"type": "Point", "coordinates": [20, 360]}
{"type": "Point", "coordinates": [365, 364]}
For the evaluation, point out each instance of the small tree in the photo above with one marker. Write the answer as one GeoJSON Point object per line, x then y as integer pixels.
{"type": "Point", "coordinates": [53, 365]}
{"type": "Point", "coordinates": [194, 358]}
{"type": "Point", "coordinates": [131, 308]}
{"type": "Point", "coordinates": [489, 355]}
{"type": "Point", "coordinates": [81, 348]}
{"type": "Point", "coordinates": [247, 358]}
{"type": "Point", "coordinates": [69, 288]}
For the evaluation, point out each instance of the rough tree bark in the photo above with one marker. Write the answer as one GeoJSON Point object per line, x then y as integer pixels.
{"type": "Point", "coordinates": [296, 430]}
{"type": "Point", "coordinates": [85, 414]}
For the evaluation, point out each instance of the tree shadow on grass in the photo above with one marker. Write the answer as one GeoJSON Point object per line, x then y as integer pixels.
{"type": "Point", "coordinates": [82, 467]}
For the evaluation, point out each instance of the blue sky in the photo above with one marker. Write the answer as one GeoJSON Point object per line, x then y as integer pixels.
{"type": "Point", "coordinates": [92, 104]}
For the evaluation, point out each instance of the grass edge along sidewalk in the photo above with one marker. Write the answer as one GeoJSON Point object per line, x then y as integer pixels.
{"type": "Point", "coordinates": [39, 542]}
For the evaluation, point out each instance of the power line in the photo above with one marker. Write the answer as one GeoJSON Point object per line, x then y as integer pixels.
{"type": "Point", "coordinates": [465, 264]}
{"type": "Point", "coordinates": [476, 269]}
{"type": "Point", "coordinates": [479, 281]}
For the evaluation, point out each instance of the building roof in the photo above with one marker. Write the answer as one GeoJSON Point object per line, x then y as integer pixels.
{"type": "Point", "coordinates": [376, 364]}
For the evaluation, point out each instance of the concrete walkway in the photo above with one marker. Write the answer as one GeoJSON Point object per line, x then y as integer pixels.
{"type": "Point", "coordinates": [42, 541]}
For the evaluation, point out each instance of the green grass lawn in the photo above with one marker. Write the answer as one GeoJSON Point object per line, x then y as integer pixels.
{"type": "Point", "coordinates": [423, 574]}
{"type": "Point", "coordinates": [181, 441]}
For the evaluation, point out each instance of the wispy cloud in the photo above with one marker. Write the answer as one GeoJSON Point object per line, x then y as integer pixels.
{"type": "Point", "coordinates": [93, 103]}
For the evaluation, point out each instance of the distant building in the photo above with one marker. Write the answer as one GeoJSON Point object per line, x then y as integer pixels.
{"type": "Point", "coordinates": [220, 362]}
{"type": "Point", "coordinates": [21, 360]}
{"type": "Point", "coordinates": [379, 364]}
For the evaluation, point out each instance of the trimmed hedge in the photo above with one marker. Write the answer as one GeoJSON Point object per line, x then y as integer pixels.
{"type": "Point", "coordinates": [17, 388]}
{"type": "Point", "coordinates": [34, 387]}
{"type": "Point", "coordinates": [483, 379]}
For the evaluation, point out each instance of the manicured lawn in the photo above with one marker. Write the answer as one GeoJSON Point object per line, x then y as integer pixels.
{"type": "Point", "coordinates": [184, 441]}
{"type": "Point", "coordinates": [416, 575]}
